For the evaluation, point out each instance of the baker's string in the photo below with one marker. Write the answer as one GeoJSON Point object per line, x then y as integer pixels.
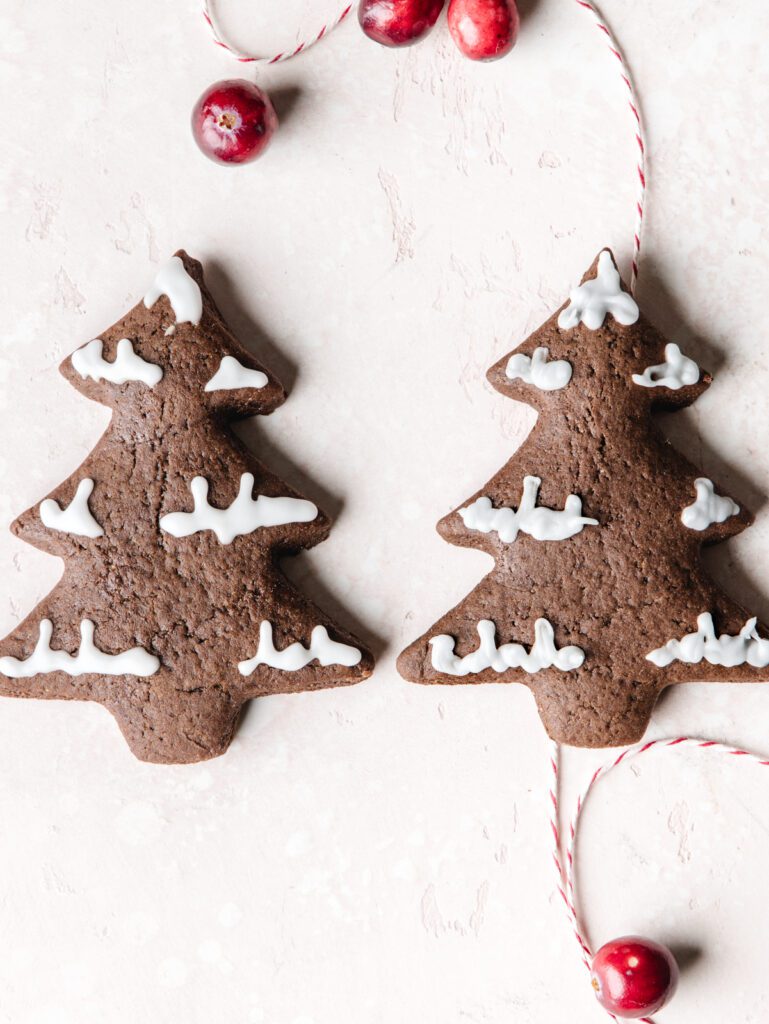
{"type": "Point", "coordinates": [641, 172]}
{"type": "Point", "coordinates": [251, 58]}
{"type": "Point", "coordinates": [564, 856]}
{"type": "Point", "coordinates": [564, 859]}
{"type": "Point", "coordinates": [638, 131]}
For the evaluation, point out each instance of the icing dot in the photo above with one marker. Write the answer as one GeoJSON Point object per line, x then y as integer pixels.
{"type": "Point", "coordinates": [539, 370]}
{"type": "Point", "coordinates": [296, 656]}
{"type": "Point", "coordinates": [543, 654]}
{"type": "Point", "coordinates": [243, 516]}
{"type": "Point", "coordinates": [541, 523]}
{"type": "Point", "coordinates": [676, 372]}
{"type": "Point", "coordinates": [746, 647]}
{"type": "Point", "coordinates": [590, 302]}
{"type": "Point", "coordinates": [181, 290]}
{"type": "Point", "coordinates": [233, 375]}
{"type": "Point", "coordinates": [127, 366]}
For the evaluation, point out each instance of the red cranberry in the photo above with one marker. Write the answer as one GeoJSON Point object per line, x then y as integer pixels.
{"type": "Point", "coordinates": [634, 977]}
{"type": "Point", "coordinates": [398, 22]}
{"type": "Point", "coordinates": [484, 29]}
{"type": "Point", "coordinates": [233, 122]}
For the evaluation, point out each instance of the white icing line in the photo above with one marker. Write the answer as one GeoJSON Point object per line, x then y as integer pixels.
{"type": "Point", "coordinates": [243, 516]}
{"type": "Point", "coordinates": [182, 291]}
{"type": "Point", "coordinates": [539, 522]}
{"type": "Point", "coordinates": [539, 370]}
{"type": "Point", "coordinates": [126, 366]}
{"type": "Point", "coordinates": [709, 507]}
{"type": "Point", "coordinates": [89, 659]}
{"type": "Point", "coordinates": [543, 654]}
{"type": "Point", "coordinates": [322, 648]}
{"type": "Point", "coordinates": [676, 372]}
{"type": "Point", "coordinates": [591, 301]}
{"type": "Point", "coordinates": [747, 647]}
{"type": "Point", "coordinates": [232, 374]}
{"type": "Point", "coordinates": [76, 518]}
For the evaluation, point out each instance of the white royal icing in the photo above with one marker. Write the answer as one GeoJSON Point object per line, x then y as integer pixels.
{"type": "Point", "coordinates": [126, 366]}
{"type": "Point", "coordinates": [244, 515]}
{"type": "Point", "coordinates": [747, 647]}
{"type": "Point", "coordinates": [76, 517]}
{"type": "Point", "coordinates": [232, 374]}
{"type": "Point", "coordinates": [537, 369]}
{"type": "Point", "coordinates": [539, 522]}
{"type": "Point", "coordinates": [677, 371]}
{"type": "Point", "coordinates": [136, 662]}
{"type": "Point", "coordinates": [592, 300]}
{"type": "Point", "coordinates": [182, 291]}
{"type": "Point", "coordinates": [708, 507]}
{"type": "Point", "coordinates": [543, 654]}
{"type": "Point", "coordinates": [322, 649]}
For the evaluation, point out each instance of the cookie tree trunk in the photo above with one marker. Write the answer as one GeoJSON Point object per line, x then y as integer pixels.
{"type": "Point", "coordinates": [596, 526]}
{"type": "Point", "coordinates": [169, 531]}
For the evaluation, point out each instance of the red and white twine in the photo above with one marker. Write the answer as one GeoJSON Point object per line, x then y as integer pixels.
{"type": "Point", "coordinates": [251, 58]}
{"type": "Point", "coordinates": [638, 132]}
{"type": "Point", "coordinates": [564, 859]}
{"type": "Point", "coordinates": [564, 855]}
{"type": "Point", "coordinates": [614, 49]}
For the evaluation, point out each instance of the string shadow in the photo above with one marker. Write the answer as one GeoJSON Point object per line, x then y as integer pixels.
{"type": "Point", "coordinates": [730, 477]}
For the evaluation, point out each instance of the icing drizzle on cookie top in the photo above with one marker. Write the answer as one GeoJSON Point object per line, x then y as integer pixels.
{"type": "Point", "coordinates": [181, 290]}
{"type": "Point", "coordinates": [676, 372]}
{"type": "Point", "coordinates": [135, 662]}
{"type": "Point", "coordinates": [544, 653]}
{"type": "Point", "coordinates": [322, 649]}
{"type": "Point", "coordinates": [709, 507]}
{"type": "Point", "coordinates": [538, 369]}
{"type": "Point", "coordinates": [232, 374]}
{"type": "Point", "coordinates": [126, 366]}
{"type": "Point", "coordinates": [539, 522]}
{"type": "Point", "coordinates": [592, 300]}
{"type": "Point", "coordinates": [243, 516]}
{"type": "Point", "coordinates": [76, 518]}
{"type": "Point", "coordinates": [747, 647]}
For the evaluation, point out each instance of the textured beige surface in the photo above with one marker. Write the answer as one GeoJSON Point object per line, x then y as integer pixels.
{"type": "Point", "coordinates": [378, 854]}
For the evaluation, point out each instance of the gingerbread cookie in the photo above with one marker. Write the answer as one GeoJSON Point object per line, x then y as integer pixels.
{"type": "Point", "coordinates": [172, 611]}
{"type": "Point", "coordinates": [598, 599]}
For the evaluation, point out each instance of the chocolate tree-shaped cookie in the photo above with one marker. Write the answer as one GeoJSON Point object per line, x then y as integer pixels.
{"type": "Point", "coordinates": [597, 600]}
{"type": "Point", "coordinates": [172, 611]}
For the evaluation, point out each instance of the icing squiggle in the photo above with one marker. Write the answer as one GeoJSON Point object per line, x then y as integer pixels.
{"type": "Point", "coordinates": [322, 649]}
{"type": "Point", "coordinates": [89, 659]}
{"type": "Point", "coordinates": [182, 291]}
{"type": "Point", "coordinates": [544, 653]}
{"type": "Point", "coordinates": [538, 369]}
{"type": "Point", "coordinates": [539, 522]}
{"type": "Point", "coordinates": [125, 367]}
{"type": "Point", "coordinates": [232, 374]}
{"type": "Point", "coordinates": [76, 517]}
{"type": "Point", "coordinates": [676, 372]}
{"type": "Point", "coordinates": [747, 647]}
{"type": "Point", "coordinates": [708, 507]}
{"type": "Point", "coordinates": [243, 516]}
{"type": "Point", "coordinates": [592, 300]}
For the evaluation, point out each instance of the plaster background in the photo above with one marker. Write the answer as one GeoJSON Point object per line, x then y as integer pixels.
{"type": "Point", "coordinates": [378, 854]}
